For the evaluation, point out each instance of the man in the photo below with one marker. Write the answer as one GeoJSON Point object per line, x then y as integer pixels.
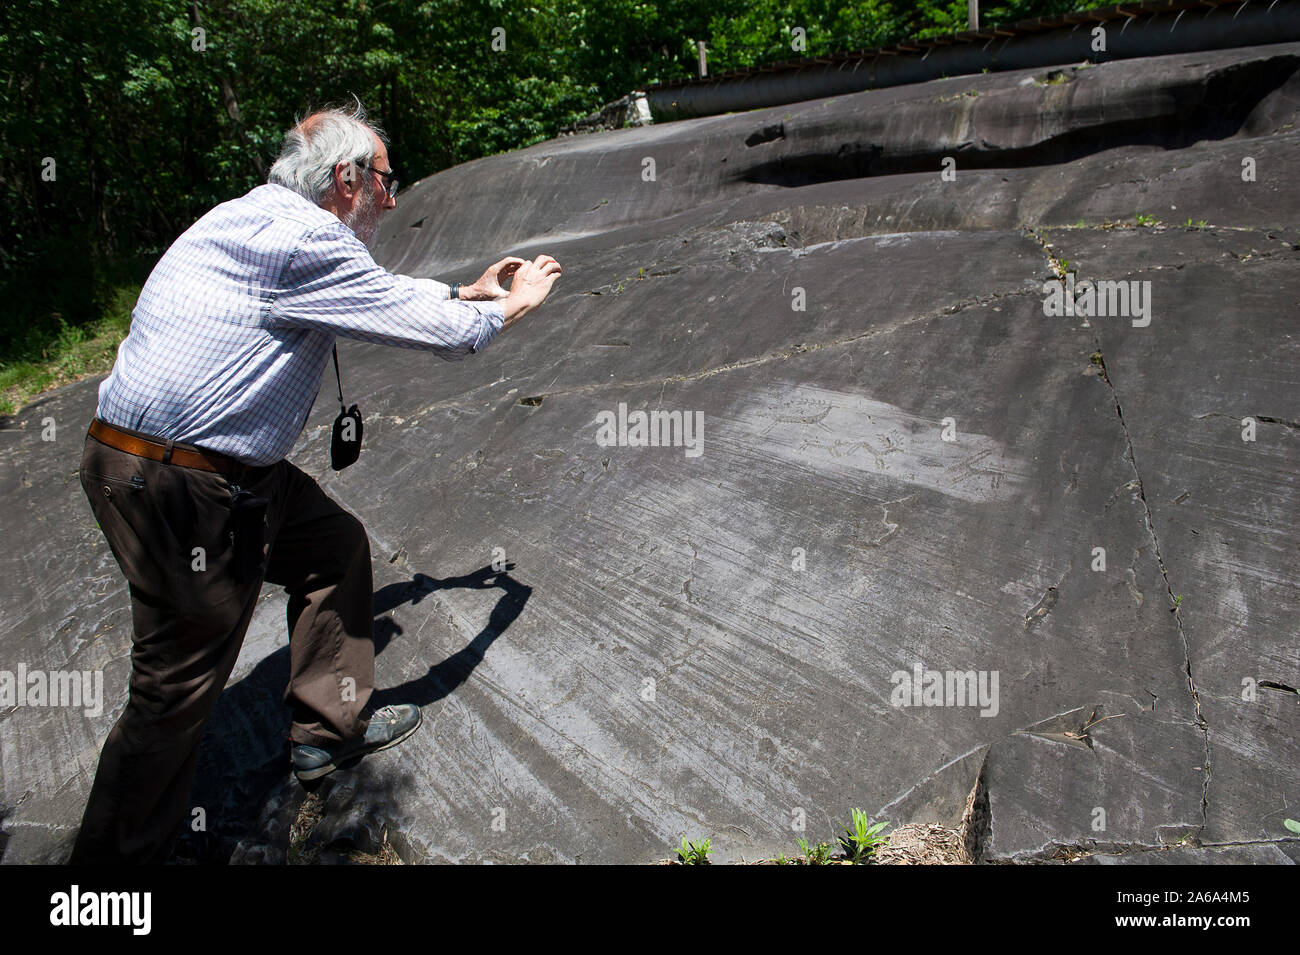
{"type": "Point", "coordinates": [185, 472]}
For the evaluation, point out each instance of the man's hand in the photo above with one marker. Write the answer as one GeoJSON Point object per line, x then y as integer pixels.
{"type": "Point", "coordinates": [490, 286]}
{"type": "Point", "coordinates": [531, 284]}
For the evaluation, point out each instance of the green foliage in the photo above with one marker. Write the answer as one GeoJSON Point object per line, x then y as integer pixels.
{"type": "Point", "coordinates": [70, 352]}
{"type": "Point", "coordinates": [762, 31]}
{"type": "Point", "coordinates": [694, 853]}
{"type": "Point", "coordinates": [862, 837]}
{"type": "Point", "coordinates": [1144, 219]}
{"type": "Point", "coordinates": [819, 854]}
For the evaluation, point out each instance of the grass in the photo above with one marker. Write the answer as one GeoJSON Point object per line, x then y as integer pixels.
{"type": "Point", "coordinates": [694, 853]}
{"type": "Point", "coordinates": [75, 352]}
{"type": "Point", "coordinates": [819, 854]}
{"type": "Point", "coordinates": [309, 814]}
{"type": "Point", "coordinates": [303, 852]}
{"type": "Point", "coordinates": [864, 843]}
{"type": "Point", "coordinates": [861, 838]}
{"type": "Point", "coordinates": [859, 845]}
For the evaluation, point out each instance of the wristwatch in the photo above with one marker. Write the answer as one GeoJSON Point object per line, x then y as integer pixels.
{"type": "Point", "coordinates": [455, 290]}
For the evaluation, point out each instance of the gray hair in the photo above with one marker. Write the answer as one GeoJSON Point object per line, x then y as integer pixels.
{"type": "Point", "coordinates": [319, 142]}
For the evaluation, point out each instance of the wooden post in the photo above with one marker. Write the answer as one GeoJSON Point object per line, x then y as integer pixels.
{"type": "Point", "coordinates": [972, 14]}
{"type": "Point", "coordinates": [704, 65]}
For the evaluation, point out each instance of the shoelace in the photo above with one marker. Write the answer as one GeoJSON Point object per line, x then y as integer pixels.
{"type": "Point", "coordinates": [385, 713]}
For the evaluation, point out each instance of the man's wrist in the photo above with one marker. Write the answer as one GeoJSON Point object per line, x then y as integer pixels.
{"type": "Point", "coordinates": [471, 293]}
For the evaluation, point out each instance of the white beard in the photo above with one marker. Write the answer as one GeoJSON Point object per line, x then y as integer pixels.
{"type": "Point", "coordinates": [363, 219]}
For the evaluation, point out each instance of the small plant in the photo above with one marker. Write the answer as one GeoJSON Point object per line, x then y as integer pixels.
{"type": "Point", "coordinates": [1178, 602]}
{"type": "Point", "coordinates": [862, 838]}
{"type": "Point", "coordinates": [1292, 825]}
{"type": "Point", "coordinates": [819, 854]}
{"type": "Point", "coordinates": [1145, 219]}
{"type": "Point", "coordinates": [782, 860]}
{"type": "Point", "coordinates": [694, 853]}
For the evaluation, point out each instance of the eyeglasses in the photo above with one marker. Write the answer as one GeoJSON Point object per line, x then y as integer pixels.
{"type": "Point", "coordinates": [390, 180]}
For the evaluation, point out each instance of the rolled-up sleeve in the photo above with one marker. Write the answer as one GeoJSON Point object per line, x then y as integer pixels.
{"type": "Point", "coordinates": [332, 283]}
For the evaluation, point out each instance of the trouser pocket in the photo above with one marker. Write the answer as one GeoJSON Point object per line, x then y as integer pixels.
{"type": "Point", "coordinates": [119, 504]}
{"type": "Point", "coordinates": [247, 530]}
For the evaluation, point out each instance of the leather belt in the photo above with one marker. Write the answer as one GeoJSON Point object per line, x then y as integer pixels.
{"type": "Point", "coordinates": [166, 451]}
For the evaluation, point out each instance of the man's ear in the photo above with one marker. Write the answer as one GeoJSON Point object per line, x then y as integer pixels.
{"type": "Point", "coordinates": [350, 174]}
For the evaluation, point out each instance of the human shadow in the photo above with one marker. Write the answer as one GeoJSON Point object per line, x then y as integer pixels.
{"type": "Point", "coordinates": [244, 757]}
{"type": "Point", "coordinates": [443, 678]}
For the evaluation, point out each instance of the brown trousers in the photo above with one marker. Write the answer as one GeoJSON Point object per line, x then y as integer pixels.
{"type": "Point", "coordinates": [167, 527]}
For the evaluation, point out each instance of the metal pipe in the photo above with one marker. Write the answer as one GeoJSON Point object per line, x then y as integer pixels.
{"type": "Point", "coordinates": [1252, 23]}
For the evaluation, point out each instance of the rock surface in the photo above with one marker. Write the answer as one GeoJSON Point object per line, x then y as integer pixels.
{"type": "Point", "coordinates": [712, 644]}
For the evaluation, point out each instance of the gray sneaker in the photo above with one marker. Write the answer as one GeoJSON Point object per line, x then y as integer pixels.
{"type": "Point", "coordinates": [389, 725]}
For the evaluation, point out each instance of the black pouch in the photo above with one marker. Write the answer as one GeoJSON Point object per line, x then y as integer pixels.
{"type": "Point", "coordinates": [247, 529]}
{"type": "Point", "coordinates": [345, 445]}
